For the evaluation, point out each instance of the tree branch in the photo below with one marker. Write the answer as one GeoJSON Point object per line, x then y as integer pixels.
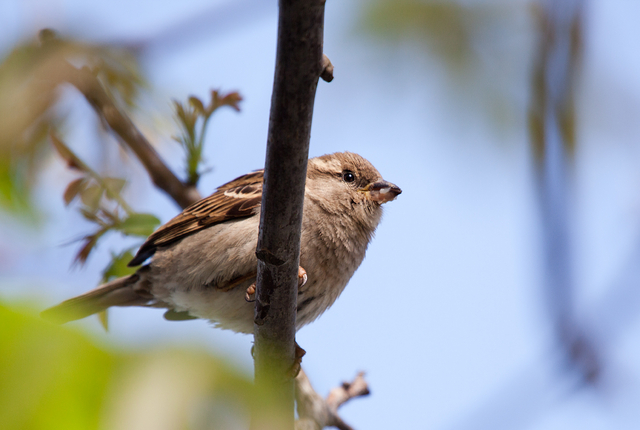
{"type": "Point", "coordinates": [316, 413]}
{"type": "Point", "coordinates": [160, 174]}
{"type": "Point", "coordinates": [298, 68]}
{"type": "Point", "coordinates": [552, 128]}
{"type": "Point", "coordinates": [85, 81]}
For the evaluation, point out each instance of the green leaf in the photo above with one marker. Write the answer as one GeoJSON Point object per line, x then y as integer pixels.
{"type": "Point", "coordinates": [50, 377]}
{"type": "Point", "coordinates": [103, 317]}
{"type": "Point", "coordinates": [14, 192]}
{"type": "Point", "coordinates": [91, 196]}
{"type": "Point", "coordinates": [90, 216]}
{"type": "Point", "coordinates": [118, 266]}
{"type": "Point", "coordinates": [54, 377]}
{"type": "Point", "coordinates": [115, 184]}
{"type": "Point", "coordinates": [139, 224]}
{"type": "Point", "coordinates": [186, 116]}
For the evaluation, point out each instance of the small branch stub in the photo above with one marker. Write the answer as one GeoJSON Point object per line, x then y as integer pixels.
{"type": "Point", "coordinates": [327, 69]}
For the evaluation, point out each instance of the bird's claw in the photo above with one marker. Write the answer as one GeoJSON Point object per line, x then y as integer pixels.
{"type": "Point", "coordinates": [302, 277]}
{"type": "Point", "coordinates": [251, 293]}
{"type": "Point", "coordinates": [249, 296]}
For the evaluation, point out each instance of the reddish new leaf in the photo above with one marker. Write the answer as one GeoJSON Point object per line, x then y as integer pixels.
{"type": "Point", "coordinates": [89, 244]}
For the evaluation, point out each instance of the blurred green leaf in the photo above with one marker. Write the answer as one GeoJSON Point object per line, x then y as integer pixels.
{"type": "Point", "coordinates": [91, 196]}
{"type": "Point", "coordinates": [118, 266]}
{"type": "Point", "coordinates": [187, 117]}
{"type": "Point", "coordinates": [103, 317]}
{"type": "Point", "coordinates": [193, 118]}
{"type": "Point", "coordinates": [444, 25]}
{"type": "Point", "coordinates": [114, 184]}
{"type": "Point", "coordinates": [50, 378]}
{"type": "Point", "coordinates": [29, 79]}
{"type": "Point", "coordinates": [116, 269]}
{"type": "Point", "coordinates": [119, 72]}
{"type": "Point", "coordinates": [14, 192]}
{"type": "Point", "coordinates": [55, 378]}
{"type": "Point", "coordinates": [139, 224]}
{"type": "Point", "coordinates": [90, 216]}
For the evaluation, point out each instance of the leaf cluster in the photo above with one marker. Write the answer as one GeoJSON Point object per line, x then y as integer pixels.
{"type": "Point", "coordinates": [192, 118]}
{"type": "Point", "coordinates": [102, 204]}
{"type": "Point", "coordinates": [30, 77]}
{"type": "Point", "coordinates": [53, 377]}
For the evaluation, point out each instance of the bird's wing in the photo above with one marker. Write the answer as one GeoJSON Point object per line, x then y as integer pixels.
{"type": "Point", "coordinates": [239, 198]}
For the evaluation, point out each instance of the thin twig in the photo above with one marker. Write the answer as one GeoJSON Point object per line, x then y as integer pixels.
{"type": "Point", "coordinates": [316, 413]}
{"type": "Point", "coordinates": [160, 174]}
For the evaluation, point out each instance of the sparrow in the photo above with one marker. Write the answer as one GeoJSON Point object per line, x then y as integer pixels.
{"type": "Point", "coordinates": [202, 263]}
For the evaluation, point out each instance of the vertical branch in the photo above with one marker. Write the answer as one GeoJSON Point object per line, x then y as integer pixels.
{"type": "Point", "coordinates": [298, 67]}
{"type": "Point", "coordinates": [552, 129]}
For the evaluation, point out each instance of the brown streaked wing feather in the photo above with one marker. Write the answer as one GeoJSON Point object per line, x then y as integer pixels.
{"type": "Point", "coordinates": [236, 199]}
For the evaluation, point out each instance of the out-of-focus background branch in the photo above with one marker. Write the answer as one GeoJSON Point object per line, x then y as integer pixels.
{"type": "Point", "coordinates": [500, 291]}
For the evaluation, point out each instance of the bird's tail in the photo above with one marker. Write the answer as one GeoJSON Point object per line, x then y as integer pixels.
{"type": "Point", "coordinates": [119, 292]}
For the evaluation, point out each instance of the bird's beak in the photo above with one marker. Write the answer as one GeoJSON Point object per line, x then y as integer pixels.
{"type": "Point", "coordinates": [381, 191]}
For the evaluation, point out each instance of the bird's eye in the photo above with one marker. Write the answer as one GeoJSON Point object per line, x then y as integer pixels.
{"type": "Point", "coordinates": [348, 176]}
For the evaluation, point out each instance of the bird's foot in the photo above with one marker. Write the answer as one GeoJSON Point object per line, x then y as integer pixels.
{"type": "Point", "coordinates": [250, 295]}
{"type": "Point", "coordinates": [302, 278]}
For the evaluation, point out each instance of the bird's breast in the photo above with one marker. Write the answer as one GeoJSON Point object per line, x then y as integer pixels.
{"type": "Point", "coordinates": [331, 250]}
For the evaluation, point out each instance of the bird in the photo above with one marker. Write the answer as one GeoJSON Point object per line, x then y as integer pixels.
{"type": "Point", "coordinates": [202, 263]}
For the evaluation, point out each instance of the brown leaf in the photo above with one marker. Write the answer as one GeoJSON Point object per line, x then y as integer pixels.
{"type": "Point", "coordinates": [74, 187]}
{"type": "Point", "coordinates": [89, 244]}
{"type": "Point", "coordinates": [232, 100]}
{"type": "Point", "coordinates": [197, 105]}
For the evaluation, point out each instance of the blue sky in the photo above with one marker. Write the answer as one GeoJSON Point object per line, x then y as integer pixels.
{"type": "Point", "coordinates": [446, 313]}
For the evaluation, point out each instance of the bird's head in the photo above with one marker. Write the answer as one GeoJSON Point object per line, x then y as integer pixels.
{"type": "Point", "coordinates": [347, 183]}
